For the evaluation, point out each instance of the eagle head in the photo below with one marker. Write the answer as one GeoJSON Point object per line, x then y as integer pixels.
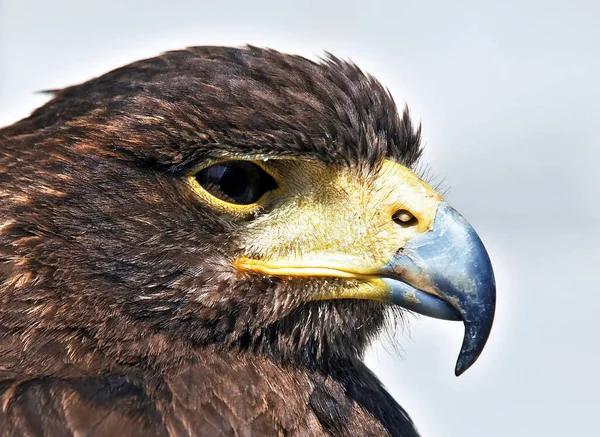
{"type": "Point", "coordinates": [234, 199]}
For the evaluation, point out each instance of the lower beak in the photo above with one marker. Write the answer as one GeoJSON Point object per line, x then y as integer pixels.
{"type": "Point", "coordinates": [446, 273]}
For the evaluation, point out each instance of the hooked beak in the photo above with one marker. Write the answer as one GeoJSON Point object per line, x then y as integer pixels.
{"type": "Point", "coordinates": [433, 263]}
{"type": "Point", "coordinates": [446, 273]}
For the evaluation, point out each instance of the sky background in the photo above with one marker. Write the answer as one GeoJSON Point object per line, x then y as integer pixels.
{"type": "Point", "coordinates": [508, 93]}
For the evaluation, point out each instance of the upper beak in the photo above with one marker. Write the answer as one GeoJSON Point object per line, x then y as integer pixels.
{"type": "Point", "coordinates": [446, 273]}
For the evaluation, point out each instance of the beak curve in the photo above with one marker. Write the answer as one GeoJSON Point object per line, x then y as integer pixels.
{"type": "Point", "coordinates": [446, 273]}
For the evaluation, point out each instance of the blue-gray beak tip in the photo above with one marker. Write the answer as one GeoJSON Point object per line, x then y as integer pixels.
{"type": "Point", "coordinates": [446, 273]}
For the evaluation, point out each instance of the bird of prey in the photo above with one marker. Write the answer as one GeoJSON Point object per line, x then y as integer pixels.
{"type": "Point", "coordinates": [205, 242]}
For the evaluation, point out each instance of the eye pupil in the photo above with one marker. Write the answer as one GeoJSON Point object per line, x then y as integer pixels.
{"type": "Point", "coordinates": [234, 183]}
{"type": "Point", "coordinates": [239, 182]}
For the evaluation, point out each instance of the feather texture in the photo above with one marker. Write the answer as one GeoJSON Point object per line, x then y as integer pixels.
{"type": "Point", "coordinates": [120, 311]}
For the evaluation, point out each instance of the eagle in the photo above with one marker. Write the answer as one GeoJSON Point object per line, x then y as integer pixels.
{"type": "Point", "coordinates": [204, 243]}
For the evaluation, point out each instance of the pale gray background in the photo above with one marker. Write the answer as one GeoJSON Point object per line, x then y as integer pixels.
{"type": "Point", "coordinates": [508, 93]}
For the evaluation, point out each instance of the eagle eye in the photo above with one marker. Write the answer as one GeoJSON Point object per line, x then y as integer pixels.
{"type": "Point", "coordinates": [237, 182]}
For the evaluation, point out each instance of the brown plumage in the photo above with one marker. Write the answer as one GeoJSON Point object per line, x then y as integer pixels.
{"type": "Point", "coordinates": [121, 312]}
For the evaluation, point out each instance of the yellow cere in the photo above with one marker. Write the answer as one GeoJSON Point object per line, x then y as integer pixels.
{"type": "Point", "coordinates": [329, 221]}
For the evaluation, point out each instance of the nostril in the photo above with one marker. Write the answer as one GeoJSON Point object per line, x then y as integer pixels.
{"type": "Point", "coordinates": [404, 218]}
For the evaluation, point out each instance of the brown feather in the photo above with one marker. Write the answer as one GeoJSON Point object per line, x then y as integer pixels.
{"type": "Point", "coordinates": [120, 311]}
